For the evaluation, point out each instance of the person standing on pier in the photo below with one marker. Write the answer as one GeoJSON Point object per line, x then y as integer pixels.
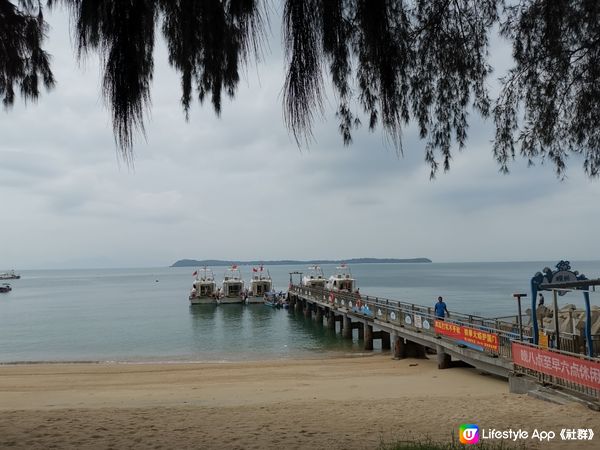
{"type": "Point", "coordinates": [440, 309]}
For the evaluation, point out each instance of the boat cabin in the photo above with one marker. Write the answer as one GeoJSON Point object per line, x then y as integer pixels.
{"type": "Point", "coordinates": [314, 278]}
{"type": "Point", "coordinates": [260, 283]}
{"type": "Point", "coordinates": [233, 285]}
{"type": "Point", "coordinates": [342, 280]}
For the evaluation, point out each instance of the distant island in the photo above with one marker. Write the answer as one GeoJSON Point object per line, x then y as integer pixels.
{"type": "Point", "coordinates": [218, 262]}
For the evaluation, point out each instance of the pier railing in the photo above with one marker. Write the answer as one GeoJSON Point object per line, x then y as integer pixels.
{"type": "Point", "coordinates": [492, 336]}
{"type": "Point", "coordinates": [574, 343]}
{"type": "Point", "coordinates": [574, 372]}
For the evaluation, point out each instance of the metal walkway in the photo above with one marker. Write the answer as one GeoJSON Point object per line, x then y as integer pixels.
{"type": "Point", "coordinates": [480, 342]}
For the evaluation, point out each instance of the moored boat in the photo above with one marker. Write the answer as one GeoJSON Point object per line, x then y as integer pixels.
{"type": "Point", "coordinates": [274, 299]}
{"type": "Point", "coordinates": [341, 280]}
{"type": "Point", "coordinates": [5, 287]}
{"type": "Point", "coordinates": [260, 284]}
{"type": "Point", "coordinates": [10, 275]}
{"type": "Point", "coordinates": [314, 278]}
{"type": "Point", "coordinates": [233, 286]}
{"type": "Point", "coordinates": [204, 288]}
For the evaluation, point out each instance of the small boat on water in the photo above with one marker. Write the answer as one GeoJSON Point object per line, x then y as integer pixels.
{"type": "Point", "coordinates": [314, 278]}
{"type": "Point", "coordinates": [5, 287]}
{"type": "Point", "coordinates": [341, 280]}
{"type": "Point", "coordinates": [260, 284]}
{"type": "Point", "coordinates": [233, 286]}
{"type": "Point", "coordinates": [275, 299]}
{"type": "Point", "coordinates": [204, 289]}
{"type": "Point", "coordinates": [10, 275]}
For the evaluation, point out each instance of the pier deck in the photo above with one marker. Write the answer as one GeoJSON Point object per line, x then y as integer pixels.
{"type": "Point", "coordinates": [412, 330]}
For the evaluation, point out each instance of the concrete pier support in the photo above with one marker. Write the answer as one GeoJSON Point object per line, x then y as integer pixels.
{"type": "Point", "coordinates": [347, 327]}
{"type": "Point", "coordinates": [319, 315]}
{"type": "Point", "coordinates": [308, 310]}
{"type": "Point", "coordinates": [519, 384]}
{"type": "Point", "coordinates": [385, 340]}
{"type": "Point", "coordinates": [360, 327]}
{"type": "Point", "coordinates": [331, 319]}
{"type": "Point", "coordinates": [443, 359]}
{"type": "Point", "coordinates": [404, 348]}
{"type": "Point", "coordinates": [414, 350]}
{"type": "Point", "coordinates": [368, 330]}
{"type": "Point", "coordinates": [299, 306]}
{"type": "Point", "coordinates": [340, 319]}
{"type": "Point", "coordinates": [397, 346]}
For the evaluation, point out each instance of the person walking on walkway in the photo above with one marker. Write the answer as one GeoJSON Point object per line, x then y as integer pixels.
{"type": "Point", "coordinates": [440, 309]}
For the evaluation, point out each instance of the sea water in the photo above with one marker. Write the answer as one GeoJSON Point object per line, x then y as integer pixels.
{"type": "Point", "coordinates": [143, 315]}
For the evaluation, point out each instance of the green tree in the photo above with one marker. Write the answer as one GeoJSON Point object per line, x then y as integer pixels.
{"type": "Point", "coordinates": [391, 61]}
{"type": "Point", "coordinates": [23, 62]}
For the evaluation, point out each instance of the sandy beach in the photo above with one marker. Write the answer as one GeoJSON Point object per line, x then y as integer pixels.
{"type": "Point", "coordinates": [343, 403]}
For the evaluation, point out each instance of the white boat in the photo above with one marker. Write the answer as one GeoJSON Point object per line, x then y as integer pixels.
{"type": "Point", "coordinates": [314, 278]}
{"type": "Point", "coordinates": [204, 289]}
{"type": "Point", "coordinates": [260, 283]}
{"type": "Point", "coordinates": [10, 275]}
{"type": "Point", "coordinates": [233, 286]}
{"type": "Point", "coordinates": [342, 280]}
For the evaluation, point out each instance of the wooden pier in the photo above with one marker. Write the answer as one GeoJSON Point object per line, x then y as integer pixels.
{"type": "Point", "coordinates": [413, 331]}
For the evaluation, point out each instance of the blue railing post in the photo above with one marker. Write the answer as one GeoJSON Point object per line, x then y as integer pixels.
{"type": "Point", "coordinates": [588, 324]}
{"type": "Point", "coordinates": [533, 311]}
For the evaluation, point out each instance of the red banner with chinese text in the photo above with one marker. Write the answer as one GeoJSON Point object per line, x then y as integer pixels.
{"type": "Point", "coordinates": [448, 329]}
{"type": "Point", "coordinates": [581, 371]}
{"type": "Point", "coordinates": [473, 336]}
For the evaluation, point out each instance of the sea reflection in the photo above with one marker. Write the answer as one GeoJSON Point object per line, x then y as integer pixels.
{"type": "Point", "coordinates": [257, 331]}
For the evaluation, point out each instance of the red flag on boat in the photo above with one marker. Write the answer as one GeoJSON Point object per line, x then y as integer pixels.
{"type": "Point", "coordinates": [195, 273]}
{"type": "Point", "coordinates": [254, 269]}
{"type": "Point", "coordinates": [234, 266]}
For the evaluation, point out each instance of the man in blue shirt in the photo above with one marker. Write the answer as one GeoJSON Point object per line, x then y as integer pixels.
{"type": "Point", "coordinates": [440, 309]}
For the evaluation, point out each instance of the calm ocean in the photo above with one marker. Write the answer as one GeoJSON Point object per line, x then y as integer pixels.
{"type": "Point", "coordinates": [144, 314]}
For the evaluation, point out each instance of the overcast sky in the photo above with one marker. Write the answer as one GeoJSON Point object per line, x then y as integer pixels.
{"type": "Point", "coordinates": [238, 187]}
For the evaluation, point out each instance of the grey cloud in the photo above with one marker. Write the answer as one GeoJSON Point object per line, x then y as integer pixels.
{"type": "Point", "coordinates": [212, 185]}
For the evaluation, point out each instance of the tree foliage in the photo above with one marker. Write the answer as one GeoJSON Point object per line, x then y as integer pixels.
{"type": "Point", "coordinates": [391, 61]}
{"type": "Point", "coordinates": [23, 62]}
{"type": "Point", "coordinates": [550, 101]}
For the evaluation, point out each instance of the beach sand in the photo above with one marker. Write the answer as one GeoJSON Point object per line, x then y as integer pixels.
{"type": "Point", "coordinates": [342, 403]}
